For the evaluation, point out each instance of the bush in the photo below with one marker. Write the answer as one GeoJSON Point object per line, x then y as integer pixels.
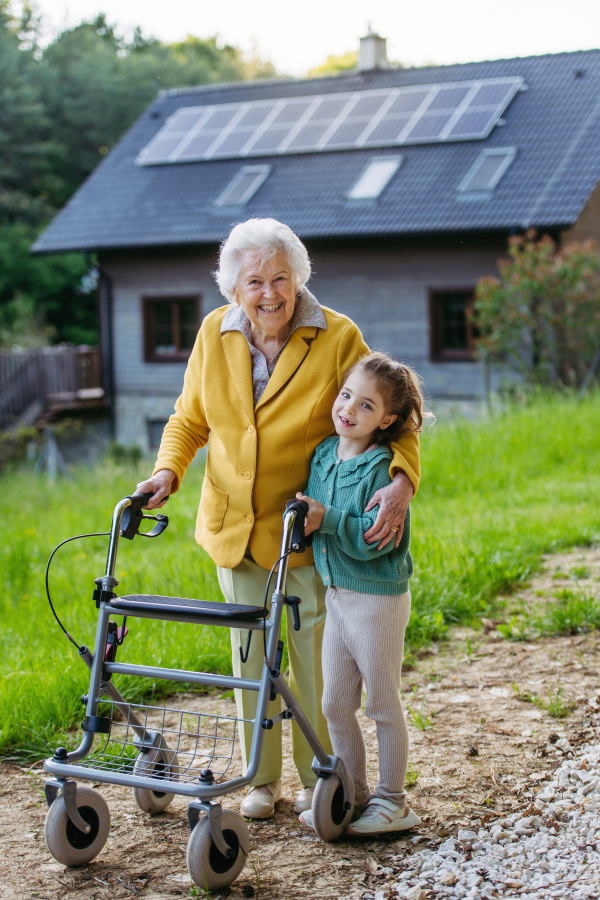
{"type": "Point", "coordinates": [542, 316]}
{"type": "Point", "coordinates": [123, 455]}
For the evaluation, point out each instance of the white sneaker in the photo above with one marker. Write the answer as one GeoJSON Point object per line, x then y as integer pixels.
{"type": "Point", "coordinates": [306, 818]}
{"type": "Point", "coordinates": [259, 802]}
{"type": "Point", "coordinates": [381, 816]}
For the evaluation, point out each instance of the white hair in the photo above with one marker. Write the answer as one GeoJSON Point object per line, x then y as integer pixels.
{"type": "Point", "coordinates": [264, 237]}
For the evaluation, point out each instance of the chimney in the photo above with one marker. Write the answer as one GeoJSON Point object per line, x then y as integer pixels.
{"type": "Point", "coordinates": [373, 54]}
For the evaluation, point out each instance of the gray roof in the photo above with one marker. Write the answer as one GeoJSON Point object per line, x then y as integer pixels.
{"type": "Point", "coordinates": [554, 126]}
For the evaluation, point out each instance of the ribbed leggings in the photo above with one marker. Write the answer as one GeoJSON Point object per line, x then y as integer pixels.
{"type": "Point", "coordinates": [364, 641]}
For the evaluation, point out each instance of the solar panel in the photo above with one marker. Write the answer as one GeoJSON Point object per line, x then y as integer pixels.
{"type": "Point", "coordinates": [390, 117]}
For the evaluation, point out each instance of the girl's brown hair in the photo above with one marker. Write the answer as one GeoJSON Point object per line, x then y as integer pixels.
{"type": "Point", "coordinates": [402, 394]}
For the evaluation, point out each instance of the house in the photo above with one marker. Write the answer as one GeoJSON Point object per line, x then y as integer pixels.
{"type": "Point", "coordinates": [404, 184]}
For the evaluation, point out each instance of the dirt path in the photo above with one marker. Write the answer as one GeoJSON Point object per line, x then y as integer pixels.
{"type": "Point", "coordinates": [486, 753]}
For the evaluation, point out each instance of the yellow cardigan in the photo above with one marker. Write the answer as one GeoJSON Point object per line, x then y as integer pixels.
{"type": "Point", "coordinates": [260, 457]}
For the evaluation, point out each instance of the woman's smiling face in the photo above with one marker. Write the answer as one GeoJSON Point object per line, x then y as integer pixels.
{"type": "Point", "coordinates": [266, 291]}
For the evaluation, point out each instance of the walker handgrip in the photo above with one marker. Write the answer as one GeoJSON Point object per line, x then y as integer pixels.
{"type": "Point", "coordinates": [133, 515]}
{"type": "Point", "coordinates": [299, 541]}
{"type": "Point", "coordinates": [145, 499]}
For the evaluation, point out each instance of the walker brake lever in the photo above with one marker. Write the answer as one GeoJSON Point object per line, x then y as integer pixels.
{"type": "Point", "coordinates": [295, 602]}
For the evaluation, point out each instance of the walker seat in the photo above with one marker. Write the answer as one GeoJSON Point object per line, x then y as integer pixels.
{"type": "Point", "coordinates": [142, 604]}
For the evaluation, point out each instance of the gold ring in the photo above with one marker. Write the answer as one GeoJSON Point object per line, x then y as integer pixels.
{"type": "Point", "coordinates": [394, 528]}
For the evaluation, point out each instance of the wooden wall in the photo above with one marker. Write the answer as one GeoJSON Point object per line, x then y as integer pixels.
{"type": "Point", "coordinates": [587, 225]}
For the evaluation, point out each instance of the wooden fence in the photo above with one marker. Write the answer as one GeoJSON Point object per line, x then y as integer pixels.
{"type": "Point", "coordinates": [51, 378]}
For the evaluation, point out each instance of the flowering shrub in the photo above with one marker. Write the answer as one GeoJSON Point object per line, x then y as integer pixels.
{"type": "Point", "coordinates": [541, 317]}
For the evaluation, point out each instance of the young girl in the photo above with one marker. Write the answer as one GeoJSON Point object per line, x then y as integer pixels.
{"type": "Point", "coordinates": [368, 601]}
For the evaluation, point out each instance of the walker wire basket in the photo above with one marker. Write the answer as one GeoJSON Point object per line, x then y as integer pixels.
{"type": "Point", "coordinates": [165, 743]}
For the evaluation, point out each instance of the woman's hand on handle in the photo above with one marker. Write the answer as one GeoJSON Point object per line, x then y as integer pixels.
{"type": "Point", "coordinates": [159, 486]}
{"type": "Point", "coordinates": [393, 502]}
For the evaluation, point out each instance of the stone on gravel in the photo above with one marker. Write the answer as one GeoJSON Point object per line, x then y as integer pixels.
{"type": "Point", "coordinates": [465, 835]}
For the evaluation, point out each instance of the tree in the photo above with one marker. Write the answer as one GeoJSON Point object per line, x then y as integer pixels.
{"type": "Point", "coordinates": [24, 129]}
{"type": "Point", "coordinates": [61, 109]}
{"type": "Point", "coordinates": [541, 317]}
{"type": "Point", "coordinates": [94, 84]}
{"type": "Point", "coordinates": [335, 65]}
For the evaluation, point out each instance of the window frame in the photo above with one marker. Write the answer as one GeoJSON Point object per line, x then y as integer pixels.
{"type": "Point", "coordinates": [509, 154]}
{"type": "Point", "coordinates": [149, 326]}
{"type": "Point", "coordinates": [260, 172]}
{"type": "Point", "coordinates": [437, 351]}
{"type": "Point", "coordinates": [395, 159]}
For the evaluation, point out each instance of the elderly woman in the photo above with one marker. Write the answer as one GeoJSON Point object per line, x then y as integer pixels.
{"type": "Point", "coordinates": [260, 383]}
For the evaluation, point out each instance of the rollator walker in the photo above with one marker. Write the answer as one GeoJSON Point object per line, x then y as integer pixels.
{"type": "Point", "coordinates": [159, 752]}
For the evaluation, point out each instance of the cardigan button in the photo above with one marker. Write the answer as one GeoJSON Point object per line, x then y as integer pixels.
{"type": "Point", "coordinates": [247, 476]}
{"type": "Point", "coordinates": [249, 518]}
{"type": "Point", "coordinates": [250, 429]}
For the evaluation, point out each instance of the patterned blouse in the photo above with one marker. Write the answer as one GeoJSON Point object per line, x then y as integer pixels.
{"type": "Point", "coordinates": [307, 312]}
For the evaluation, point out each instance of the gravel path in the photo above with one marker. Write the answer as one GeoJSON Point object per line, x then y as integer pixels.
{"type": "Point", "coordinates": [549, 850]}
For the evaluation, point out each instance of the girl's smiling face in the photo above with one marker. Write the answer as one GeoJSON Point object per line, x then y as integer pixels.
{"type": "Point", "coordinates": [359, 409]}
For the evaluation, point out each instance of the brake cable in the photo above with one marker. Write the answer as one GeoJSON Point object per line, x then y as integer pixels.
{"type": "Point", "coordinates": [76, 538]}
{"type": "Point", "coordinates": [264, 628]}
{"type": "Point", "coordinates": [244, 654]}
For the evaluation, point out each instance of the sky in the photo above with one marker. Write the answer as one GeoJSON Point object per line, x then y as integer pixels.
{"type": "Point", "coordinates": [296, 36]}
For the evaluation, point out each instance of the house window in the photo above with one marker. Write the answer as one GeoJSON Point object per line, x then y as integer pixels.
{"type": "Point", "coordinates": [452, 332]}
{"type": "Point", "coordinates": [243, 186]}
{"type": "Point", "coordinates": [155, 432]}
{"type": "Point", "coordinates": [488, 169]}
{"type": "Point", "coordinates": [170, 327]}
{"type": "Point", "coordinates": [375, 178]}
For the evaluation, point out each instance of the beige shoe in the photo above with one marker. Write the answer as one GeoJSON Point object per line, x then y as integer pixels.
{"type": "Point", "coordinates": [304, 800]}
{"type": "Point", "coordinates": [259, 802]}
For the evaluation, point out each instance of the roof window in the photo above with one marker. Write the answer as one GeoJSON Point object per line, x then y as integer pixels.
{"type": "Point", "coordinates": [375, 178]}
{"type": "Point", "coordinates": [243, 186]}
{"type": "Point", "coordinates": [487, 170]}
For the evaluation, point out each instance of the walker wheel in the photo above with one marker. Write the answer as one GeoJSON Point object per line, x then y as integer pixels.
{"type": "Point", "coordinates": [153, 764]}
{"type": "Point", "coordinates": [329, 815]}
{"type": "Point", "coordinates": [207, 866]}
{"type": "Point", "coordinates": [67, 844]}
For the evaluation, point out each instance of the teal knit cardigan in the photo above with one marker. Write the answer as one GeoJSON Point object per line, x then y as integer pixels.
{"type": "Point", "coordinates": [342, 556]}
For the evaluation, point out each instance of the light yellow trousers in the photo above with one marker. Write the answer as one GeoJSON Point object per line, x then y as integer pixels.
{"type": "Point", "coordinates": [246, 584]}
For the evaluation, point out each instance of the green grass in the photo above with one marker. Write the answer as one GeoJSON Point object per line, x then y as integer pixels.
{"type": "Point", "coordinates": [496, 495]}
{"type": "Point", "coordinates": [556, 705]}
{"type": "Point", "coordinates": [565, 612]}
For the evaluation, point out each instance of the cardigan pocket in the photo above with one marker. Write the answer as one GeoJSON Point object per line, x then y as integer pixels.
{"type": "Point", "coordinates": [213, 505]}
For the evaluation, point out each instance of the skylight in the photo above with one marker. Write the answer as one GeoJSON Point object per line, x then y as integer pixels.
{"type": "Point", "coordinates": [375, 178]}
{"type": "Point", "coordinates": [243, 186]}
{"type": "Point", "coordinates": [383, 117]}
{"type": "Point", "coordinates": [488, 169]}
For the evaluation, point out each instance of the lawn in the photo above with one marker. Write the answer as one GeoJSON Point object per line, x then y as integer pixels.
{"type": "Point", "coordinates": [496, 495]}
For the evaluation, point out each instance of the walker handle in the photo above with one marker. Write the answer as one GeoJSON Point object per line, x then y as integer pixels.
{"type": "Point", "coordinates": [133, 515]}
{"type": "Point", "coordinates": [299, 540]}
